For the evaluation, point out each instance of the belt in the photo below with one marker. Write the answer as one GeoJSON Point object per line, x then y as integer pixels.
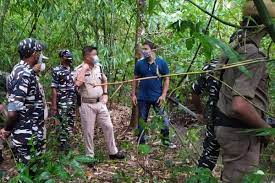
{"type": "Point", "coordinates": [223, 120]}
{"type": "Point", "coordinates": [90, 100]}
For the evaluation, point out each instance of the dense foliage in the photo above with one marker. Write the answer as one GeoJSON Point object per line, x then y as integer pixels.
{"type": "Point", "coordinates": [177, 27]}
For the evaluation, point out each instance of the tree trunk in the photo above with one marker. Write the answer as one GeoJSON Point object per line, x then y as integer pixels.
{"type": "Point", "coordinates": [96, 29]}
{"type": "Point", "coordinates": [139, 30]}
{"type": "Point", "coordinates": [3, 11]}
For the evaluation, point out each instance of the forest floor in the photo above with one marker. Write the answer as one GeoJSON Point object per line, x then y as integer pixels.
{"type": "Point", "coordinates": [154, 166]}
{"type": "Point", "coordinates": [159, 164]}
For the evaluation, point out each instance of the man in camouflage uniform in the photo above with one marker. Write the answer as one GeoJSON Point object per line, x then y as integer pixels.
{"type": "Point", "coordinates": [3, 112]}
{"type": "Point", "coordinates": [207, 84]}
{"type": "Point", "coordinates": [64, 97]}
{"type": "Point", "coordinates": [25, 105]}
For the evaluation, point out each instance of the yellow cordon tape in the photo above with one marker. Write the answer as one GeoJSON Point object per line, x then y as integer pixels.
{"type": "Point", "coordinates": [227, 66]}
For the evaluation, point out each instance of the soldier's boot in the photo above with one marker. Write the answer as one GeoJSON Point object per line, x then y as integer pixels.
{"type": "Point", "coordinates": [118, 155]}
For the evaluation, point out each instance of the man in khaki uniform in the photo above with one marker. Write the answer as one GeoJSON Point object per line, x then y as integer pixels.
{"type": "Point", "coordinates": [93, 103]}
{"type": "Point", "coordinates": [241, 151]}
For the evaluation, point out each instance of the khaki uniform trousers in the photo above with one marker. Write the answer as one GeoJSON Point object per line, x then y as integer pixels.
{"type": "Point", "coordinates": [90, 114]}
{"type": "Point", "coordinates": [240, 153]}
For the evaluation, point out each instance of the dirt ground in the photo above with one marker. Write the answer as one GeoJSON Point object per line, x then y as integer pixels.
{"type": "Point", "coordinates": [155, 166]}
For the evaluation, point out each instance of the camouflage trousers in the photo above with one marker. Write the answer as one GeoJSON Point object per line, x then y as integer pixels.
{"type": "Point", "coordinates": [67, 116]}
{"type": "Point", "coordinates": [211, 147]}
{"type": "Point", "coordinates": [28, 143]}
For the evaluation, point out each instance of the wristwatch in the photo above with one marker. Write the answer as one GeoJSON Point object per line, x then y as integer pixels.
{"type": "Point", "coordinates": [105, 93]}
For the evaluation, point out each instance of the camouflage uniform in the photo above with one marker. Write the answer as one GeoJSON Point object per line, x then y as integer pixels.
{"type": "Point", "coordinates": [26, 99]}
{"type": "Point", "coordinates": [66, 100]}
{"type": "Point", "coordinates": [207, 84]}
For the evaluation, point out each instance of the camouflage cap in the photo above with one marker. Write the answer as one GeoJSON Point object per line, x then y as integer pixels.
{"type": "Point", "coordinates": [28, 46]}
{"type": "Point", "coordinates": [66, 54]}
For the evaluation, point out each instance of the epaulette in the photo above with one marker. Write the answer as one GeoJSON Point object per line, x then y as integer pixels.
{"type": "Point", "coordinates": [78, 67]}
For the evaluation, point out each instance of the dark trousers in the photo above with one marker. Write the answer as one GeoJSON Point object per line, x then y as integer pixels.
{"type": "Point", "coordinates": [67, 118]}
{"type": "Point", "coordinates": [211, 149]}
{"type": "Point", "coordinates": [144, 108]}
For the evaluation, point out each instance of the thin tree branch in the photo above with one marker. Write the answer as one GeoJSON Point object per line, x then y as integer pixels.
{"type": "Point", "coordinates": [128, 30]}
{"type": "Point", "coordinates": [220, 20]}
{"type": "Point", "coordinates": [36, 19]}
{"type": "Point", "coordinates": [199, 47]}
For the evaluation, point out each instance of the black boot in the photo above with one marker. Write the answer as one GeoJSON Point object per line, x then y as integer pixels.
{"type": "Point", "coordinates": [118, 155]}
{"type": "Point", "coordinates": [92, 166]}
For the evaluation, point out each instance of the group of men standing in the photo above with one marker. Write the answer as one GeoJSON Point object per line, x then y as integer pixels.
{"type": "Point", "coordinates": [237, 100]}
{"type": "Point", "coordinates": [27, 108]}
{"type": "Point", "coordinates": [66, 84]}
{"type": "Point", "coordinates": [232, 107]}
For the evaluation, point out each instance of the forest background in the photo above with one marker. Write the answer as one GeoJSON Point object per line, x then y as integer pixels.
{"type": "Point", "coordinates": [186, 36]}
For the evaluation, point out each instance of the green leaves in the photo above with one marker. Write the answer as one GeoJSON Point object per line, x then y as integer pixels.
{"type": "Point", "coordinates": [255, 177]}
{"type": "Point", "coordinates": [212, 42]}
{"type": "Point", "coordinates": [156, 123]}
{"type": "Point", "coordinates": [50, 181]}
{"type": "Point", "coordinates": [144, 149]}
{"type": "Point", "coordinates": [126, 145]}
{"type": "Point", "coordinates": [44, 176]}
{"type": "Point", "coordinates": [121, 176]}
{"type": "Point", "coordinates": [202, 175]}
{"type": "Point", "coordinates": [51, 168]}
{"type": "Point", "coordinates": [85, 159]}
{"type": "Point", "coordinates": [183, 25]}
{"type": "Point", "coordinates": [25, 179]}
{"type": "Point", "coordinates": [152, 6]}
{"type": "Point", "coordinates": [61, 173]}
{"type": "Point", "coordinates": [189, 43]}
{"type": "Point", "coordinates": [245, 71]}
{"type": "Point", "coordinates": [261, 132]}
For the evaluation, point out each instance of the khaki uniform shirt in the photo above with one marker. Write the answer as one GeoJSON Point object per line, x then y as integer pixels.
{"type": "Point", "coordinates": [92, 77]}
{"type": "Point", "coordinates": [252, 84]}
